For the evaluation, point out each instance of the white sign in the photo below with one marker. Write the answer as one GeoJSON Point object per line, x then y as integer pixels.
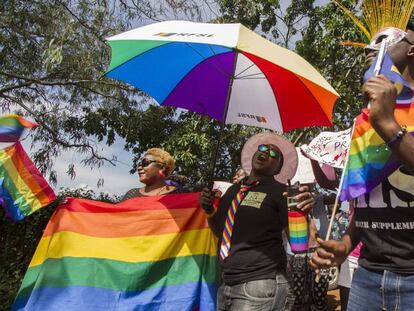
{"type": "Point", "coordinates": [329, 148]}
{"type": "Point", "coordinates": [304, 173]}
{"type": "Point", "coordinates": [221, 187]}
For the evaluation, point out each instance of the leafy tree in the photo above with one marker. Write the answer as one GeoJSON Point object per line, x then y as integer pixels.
{"type": "Point", "coordinates": [341, 65]}
{"type": "Point", "coordinates": [53, 56]}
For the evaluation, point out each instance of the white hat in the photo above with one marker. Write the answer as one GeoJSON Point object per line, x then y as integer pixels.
{"type": "Point", "coordinates": [290, 157]}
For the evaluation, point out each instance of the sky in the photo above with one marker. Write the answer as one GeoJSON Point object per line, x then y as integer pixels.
{"type": "Point", "coordinates": [117, 180]}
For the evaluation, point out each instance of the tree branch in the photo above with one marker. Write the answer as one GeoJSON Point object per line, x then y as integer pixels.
{"type": "Point", "coordinates": [137, 8]}
{"type": "Point", "coordinates": [298, 138]}
{"type": "Point", "coordinates": [43, 81]}
{"type": "Point", "coordinates": [54, 135]}
{"type": "Point", "coordinates": [84, 25]}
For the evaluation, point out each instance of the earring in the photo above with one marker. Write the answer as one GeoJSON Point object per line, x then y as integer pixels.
{"type": "Point", "coordinates": [161, 173]}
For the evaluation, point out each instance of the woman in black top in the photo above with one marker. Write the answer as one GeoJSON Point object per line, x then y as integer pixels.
{"type": "Point", "coordinates": [153, 170]}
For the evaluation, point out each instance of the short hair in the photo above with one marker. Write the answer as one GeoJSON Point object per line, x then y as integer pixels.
{"type": "Point", "coordinates": [164, 158]}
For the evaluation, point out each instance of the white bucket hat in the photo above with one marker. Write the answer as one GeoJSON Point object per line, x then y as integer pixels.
{"type": "Point", "coordinates": [290, 157]}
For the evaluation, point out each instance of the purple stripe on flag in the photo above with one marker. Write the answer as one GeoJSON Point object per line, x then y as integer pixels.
{"type": "Point", "coordinates": [12, 209]}
{"type": "Point", "coordinates": [364, 180]}
{"type": "Point", "coordinates": [204, 88]}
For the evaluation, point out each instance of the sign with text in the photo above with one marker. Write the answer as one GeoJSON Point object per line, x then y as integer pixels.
{"type": "Point", "coordinates": [329, 148]}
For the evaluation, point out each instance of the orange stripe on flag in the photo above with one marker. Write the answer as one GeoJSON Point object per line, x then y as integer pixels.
{"type": "Point", "coordinates": [119, 224]}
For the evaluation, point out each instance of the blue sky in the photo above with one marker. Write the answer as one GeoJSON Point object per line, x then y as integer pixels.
{"type": "Point", "coordinates": [117, 180]}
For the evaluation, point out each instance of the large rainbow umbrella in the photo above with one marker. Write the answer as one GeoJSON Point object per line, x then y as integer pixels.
{"type": "Point", "coordinates": [225, 71]}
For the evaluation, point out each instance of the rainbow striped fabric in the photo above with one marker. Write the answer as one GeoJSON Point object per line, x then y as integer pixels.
{"type": "Point", "coordinates": [12, 127]}
{"type": "Point", "coordinates": [149, 253]}
{"type": "Point", "coordinates": [231, 214]}
{"type": "Point", "coordinates": [22, 187]}
{"type": "Point", "coordinates": [298, 231]}
{"type": "Point", "coordinates": [370, 160]}
{"type": "Point", "coordinates": [219, 70]}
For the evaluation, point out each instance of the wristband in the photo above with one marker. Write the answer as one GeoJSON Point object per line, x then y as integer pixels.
{"type": "Point", "coordinates": [211, 214]}
{"type": "Point", "coordinates": [398, 136]}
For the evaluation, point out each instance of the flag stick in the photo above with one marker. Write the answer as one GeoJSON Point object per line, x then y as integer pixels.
{"type": "Point", "coordinates": [377, 70]}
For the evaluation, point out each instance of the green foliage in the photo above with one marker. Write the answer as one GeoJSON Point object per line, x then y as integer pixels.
{"type": "Point", "coordinates": [250, 13]}
{"type": "Point", "coordinates": [18, 242]}
{"type": "Point", "coordinates": [54, 58]}
{"type": "Point", "coordinates": [341, 66]}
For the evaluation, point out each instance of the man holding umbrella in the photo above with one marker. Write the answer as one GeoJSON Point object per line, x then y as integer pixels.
{"type": "Point", "coordinates": [249, 223]}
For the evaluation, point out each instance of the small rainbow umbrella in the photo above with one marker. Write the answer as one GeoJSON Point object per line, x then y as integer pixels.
{"type": "Point", "coordinates": [225, 71]}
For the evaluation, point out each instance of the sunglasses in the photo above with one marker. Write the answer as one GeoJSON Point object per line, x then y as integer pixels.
{"type": "Point", "coordinates": [145, 162]}
{"type": "Point", "coordinates": [275, 154]}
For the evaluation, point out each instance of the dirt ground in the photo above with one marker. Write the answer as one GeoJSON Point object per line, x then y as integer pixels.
{"type": "Point", "coordinates": [333, 300]}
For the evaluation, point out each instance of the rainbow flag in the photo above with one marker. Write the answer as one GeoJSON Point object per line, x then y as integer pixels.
{"type": "Point", "coordinates": [298, 231]}
{"type": "Point", "coordinates": [149, 253]}
{"type": "Point", "coordinates": [23, 189]}
{"type": "Point", "coordinates": [12, 127]}
{"type": "Point", "coordinates": [370, 160]}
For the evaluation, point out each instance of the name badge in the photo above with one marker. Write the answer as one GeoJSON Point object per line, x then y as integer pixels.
{"type": "Point", "coordinates": [254, 199]}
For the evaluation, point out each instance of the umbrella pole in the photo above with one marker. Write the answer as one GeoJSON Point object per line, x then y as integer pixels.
{"type": "Point", "coordinates": [215, 156]}
{"type": "Point", "coordinates": [222, 124]}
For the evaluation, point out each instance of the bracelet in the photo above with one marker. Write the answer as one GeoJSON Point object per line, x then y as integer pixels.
{"type": "Point", "coordinates": [398, 136]}
{"type": "Point", "coordinates": [211, 214]}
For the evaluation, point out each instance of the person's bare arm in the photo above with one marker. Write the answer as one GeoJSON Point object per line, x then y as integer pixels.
{"type": "Point", "coordinates": [382, 94]}
{"type": "Point", "coordinates": [333, 253]}
{"type": "Point", "coordinates": [206, 203]}
{"type": "Point", "coordinates": [321, 178]}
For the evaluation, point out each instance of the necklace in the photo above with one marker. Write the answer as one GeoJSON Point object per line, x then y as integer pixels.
{"type": "Point", "coordinates": [143, 192]}
{"type": "Point", "coordinates": [159, 192]}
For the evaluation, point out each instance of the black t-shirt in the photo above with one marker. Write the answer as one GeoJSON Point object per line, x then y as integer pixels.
{"type": "Point", "coordinates": [256, 250]}
{"type": "Point", "coordinates": [386, 218]}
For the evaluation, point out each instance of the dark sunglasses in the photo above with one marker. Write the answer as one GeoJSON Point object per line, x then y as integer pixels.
{"type": "Point", "coordinates": [145, 162]}
{"type": "Point", "coordinates": [275, 154]}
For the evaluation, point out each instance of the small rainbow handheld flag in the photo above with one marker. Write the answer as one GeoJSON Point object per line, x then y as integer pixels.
{"type": "Point", "coordinates": [370, 160]}
{"type": "Point", "coordinates": [298, 231]}
{"type": "Point", "coordinates": [23, 189]}
{"type": "Point", "coordinates": [149, 253]}
{"type": "Point", "coordinates": [12, 127]}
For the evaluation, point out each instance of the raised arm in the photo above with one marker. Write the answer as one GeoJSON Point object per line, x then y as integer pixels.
{"type": "Point", "coordinates": [382, 95]}
{"type": "Point", "coordinates": [321, 178]}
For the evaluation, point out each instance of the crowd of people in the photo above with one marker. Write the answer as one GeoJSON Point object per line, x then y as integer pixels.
{"type": "Point", "coordinates": [258, 268]}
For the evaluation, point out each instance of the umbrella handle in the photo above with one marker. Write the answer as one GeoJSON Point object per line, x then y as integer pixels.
{"type": "Point", "coordinates": [210, 180]}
